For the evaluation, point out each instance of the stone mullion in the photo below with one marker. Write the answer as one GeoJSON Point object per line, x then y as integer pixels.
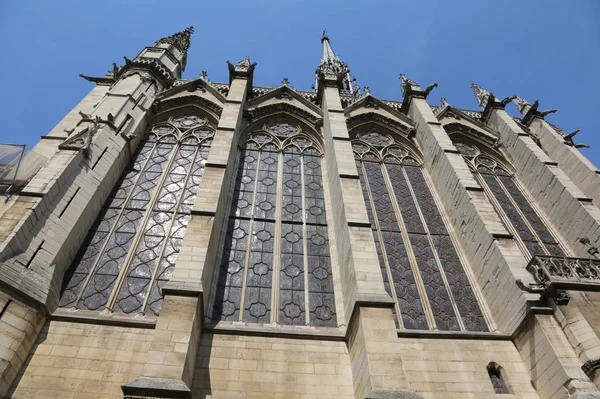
{"type": "Point", "coordinates": [114, 227]}
{"type": "Point", "coordinates": [136, 240]}
{"type": "Point", "coordinates": [304, 243]}
{"type": "Point", "coordinates": [388, 269]}
{"type": "Point", "coordinates": [408, 245]}
{"type": "Point", "coordinates": [249, 247]}
{"type": "Point", "coordinates": [434, 251]}
{"type": "Point", "coordinates": [171, 223]}
{"type": "Point", "coordinates": [277, 241]}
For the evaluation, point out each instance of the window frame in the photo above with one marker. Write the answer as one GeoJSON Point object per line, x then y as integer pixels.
{"type": "Point", "coordinates": [173, 132]}
{"type": "Point", "coordinates": [262, 130]}
{"type": "Point", "coordinates": [395, 141]}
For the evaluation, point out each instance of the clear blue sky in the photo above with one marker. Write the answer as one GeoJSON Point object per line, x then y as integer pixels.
{"type": "Point", "coordinates": [545, 49]}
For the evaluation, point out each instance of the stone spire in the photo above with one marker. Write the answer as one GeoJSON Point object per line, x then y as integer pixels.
{"type": "Point", "coordinates": [482, 95]}
{"type": "Point", "coordinates": [181, 40]}
{"type": "Point", "coordinates": [331, 64]}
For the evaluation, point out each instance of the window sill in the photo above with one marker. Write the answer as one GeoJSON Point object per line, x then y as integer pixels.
{"type": "Point", "coordinates": [111, 319]}
{"type": "Point", "coordinates": [453, 335]}
{"type": "Point", "coordinates": [275, 330]}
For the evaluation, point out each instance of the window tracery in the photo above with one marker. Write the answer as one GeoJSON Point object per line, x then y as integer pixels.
{"type": "Point", "coordinates": [510, 202]}
{"type": "Point", "coordinates": [131, 250]}
{"type": "Point", "coordinates": [276, 264]}
{"type": "Point", "coordinates": [421, 268]}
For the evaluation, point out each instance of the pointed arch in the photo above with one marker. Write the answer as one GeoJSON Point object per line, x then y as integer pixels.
{"type": "Point", "coordinates": [421, 267]}
{"type": "Point", "coordinates": [510, 200]}
{"type": "Point", "coordinates": [131, 250]}
{"type": "Point", "coordinates": [276, 265]}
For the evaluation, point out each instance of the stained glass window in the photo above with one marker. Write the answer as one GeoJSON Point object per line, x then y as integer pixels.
{"type": "Point", "coordinates": [276, 265]}
{"type": "Point", "coordinates": [510, 202]}
{"type": "Point", "coordinates": [131, 250]}
{"type": "Point", "coordinates": [421, 268]}
{"type": "Point", "coordinates": [496, 379]}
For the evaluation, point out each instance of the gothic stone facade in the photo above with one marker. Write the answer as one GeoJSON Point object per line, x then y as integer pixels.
{"type": "Point", "coordinates": [219, 240]}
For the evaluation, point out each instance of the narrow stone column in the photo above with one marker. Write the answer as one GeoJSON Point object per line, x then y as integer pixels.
{"type": "Point", "coordinates": [170, 363]}
{"type": "Point", "coordinates": [367, 306]}
{"type": "Point", "coordinates": [360, 274]}
{"type": "Point", "coordinates": [494, 257]}
{"type": "Point", "coordinates": [575, 165]}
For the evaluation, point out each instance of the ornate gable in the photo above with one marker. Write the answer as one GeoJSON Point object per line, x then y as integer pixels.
{"type": "Point", "coordinates": [284, 95]}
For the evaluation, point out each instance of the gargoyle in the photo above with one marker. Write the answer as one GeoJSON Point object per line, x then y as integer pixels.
{"type": "Point", "coordinates": [429, 89]}
{"type": "Point", "coordinates": [568, 140]}
{"type": "Point", "coordinates": [84, 115]}
{"type": "Point", "coordinates": [534, 109]}
{"type": "Point", "coordinates": [127, 61]}
{"type": "Point", "coordinates": [507, 100]}
{"type": "Point", "coordinates": [115, 70]}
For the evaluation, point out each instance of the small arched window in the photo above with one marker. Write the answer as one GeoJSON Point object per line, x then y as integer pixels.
{"type": "Point", "coordinates": [421, 267]}
{"type": "Point", "coordinates": [131, 250]}
{"type": "Point", "coordinates": [495, 372]}
{"type": "Point", "coordinates": [276, 252]}
{"type": "Point", "coordinates": [510, 201]}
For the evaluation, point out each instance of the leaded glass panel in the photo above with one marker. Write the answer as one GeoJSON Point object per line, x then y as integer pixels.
{"type": "Point", "coordinates": [132, 248]}
{"type": "Point", "coordinates": [277, 233]}
{"type": "Point", "coordinates": [419, 264]}
{"type": "Point", "coordinates": [516, 211]}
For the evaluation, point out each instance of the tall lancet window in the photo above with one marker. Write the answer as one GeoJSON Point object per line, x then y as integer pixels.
{"type": "Point", "coordinates": [421, 267]}
{"type": "Point", "coordinates": [131, 250]}
{"type": "Point", "coordinates": [510, 201]}
{"type": "Point", "coordinates": [276, 265]}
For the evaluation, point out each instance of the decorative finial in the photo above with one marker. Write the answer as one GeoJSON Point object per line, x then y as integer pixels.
{"type": "Point", "coordinates": [522, 105]}
{"type": "Point", "coordinates": [407, 84]}
{"type": "Point", "coordinates": [482, 95]}
{"type": "Point", "coordinates": [367, 90]}
{"type": "Point", "coordinates": [355, 87]}
{"type": "Point", "coordinates": [444, 102]}
{"type": "Point", "coordinates": [203, 75]}
{"type": "Point", "coordinates": [285, 82]}
{"type": "Point", "coordinates": [181, 40]}
{"type": "Point", "coordinates": [324, 35]}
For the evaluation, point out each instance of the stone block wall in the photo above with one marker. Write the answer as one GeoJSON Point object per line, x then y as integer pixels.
{"type": "Point", "coordinates": [75, 360]}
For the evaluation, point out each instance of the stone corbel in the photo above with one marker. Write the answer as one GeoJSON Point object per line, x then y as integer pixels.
{"type": "Point", "coordinates": [546, 291]}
